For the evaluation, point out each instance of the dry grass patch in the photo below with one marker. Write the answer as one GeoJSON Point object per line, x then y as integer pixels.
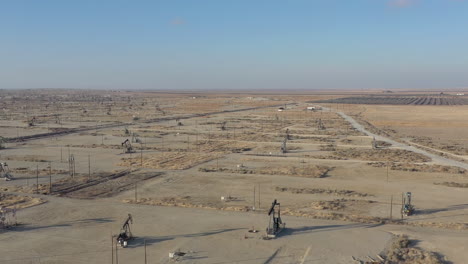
{"type": "Point", "coordinates": [186, 202]}
{"type": "Point", "coordinates": [452, 184]}
{"type": "Point", "coordinates": [246, 136]}
{"type": "Point", "coordinates": [41, 189]}
{"type": "Point", "coordinates": [170, 160]}
{"type": "Point", "coordinates": [419, 167]}
{"type": "Point", "coordinates": [42, 172]}
{"type": "Point", "coordinates": [337, 204]}
{"type": "Point", "coordinates": [321, 191]}
{"type": "Point", "coordinates": [394, 155]}
{"type": "Point", "coordinates": [275, 149]}
{"type": "Point", "coordinates": [223, 146]}
{"type": "Point", "coordinates": [328, 147]}
{"type": "Point", "coordinates": [309, 171]}
{"type": "Point", "coordinates": [30, 158]}
{"type": "Point", "coordinates": [402, 251]}
{"type": "Point", "coordinates": [16, 201]}
{"type": "Point", "coordinates": [83, 187]}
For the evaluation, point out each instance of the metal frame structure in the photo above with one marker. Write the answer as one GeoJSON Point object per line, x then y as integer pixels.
{"type": "Point", "coordinates": [320, 125]}
{"type": "Point", "coordinates": [5, 171]}
{"type": "Point", "coordinates": [125, 233]}
{"type": "Point", "coordinates": [7, 217]}
{"type": "Point", "coordinates": [407, 208]}
{"type": "Point", "coordinates": [275, 225]}
{"type": "Point", "coordinates": [283, 146]}
{"type": "Point", "coordinates": [128, 146]}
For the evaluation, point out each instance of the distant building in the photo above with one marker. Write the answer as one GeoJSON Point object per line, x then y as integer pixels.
{"type": "Point", "coordinates": [313, 108]}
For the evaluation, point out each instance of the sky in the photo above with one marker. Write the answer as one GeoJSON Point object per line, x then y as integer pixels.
{"type": "Point", "coordinates": [234, 44]}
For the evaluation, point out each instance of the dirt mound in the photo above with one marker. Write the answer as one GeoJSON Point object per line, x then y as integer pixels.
{"type": "Point", "coordinates": [171, 160]}
{"type": "Point", "coordinates": [328, 147]}
{"type": "Point", "coordinates": [30, 158]}
{"type": "Point", "coordinates": [394, 155]}
{"type": "Point", "coordinates": [452, 184]}
{"type": "Point", "coordinates": [382, 144]}
{"type": "Point", "coordinates": [310, 138]}
{"type": "Point", "coordinates": [223, 146]}
{"type": "Point", "coordinates": [310, 171]}
{"type": "Point", "coordinates": [322, 191]}
{"type": "Point", "coordinates": [337, 204]}
{"type": "Point", "coordinates": [275, 149]}
{"type": "Point", "coordinates": [419, 167]}
{"type": "Point", "coordinates": [42, 172]}
{"type": "Point", "coordinates": [18, 202]}
{"type": "Point", "coordinates": [248, 136]}
{"type": "Point", "coordinates": [185, 201]}
{"type": "Point", "coordinates": [41, 189]}
{"type": "Point", "coordinates": [402, 251]}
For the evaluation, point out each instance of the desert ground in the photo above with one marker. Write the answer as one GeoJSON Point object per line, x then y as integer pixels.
{"type": "Point", "coordinates": [200, 171]}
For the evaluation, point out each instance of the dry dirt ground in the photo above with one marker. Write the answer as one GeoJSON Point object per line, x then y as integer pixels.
{"type": "Point", "coordinates": [442, 127]}
{"type": "Point", "coordinates": [340, 198]}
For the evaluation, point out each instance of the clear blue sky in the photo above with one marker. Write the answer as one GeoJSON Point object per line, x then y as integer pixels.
{"type": "Point", "coordinates": [233, 44]}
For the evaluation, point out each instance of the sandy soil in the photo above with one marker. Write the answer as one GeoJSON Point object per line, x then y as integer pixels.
{"type": "Point", "coordinates": [336, 209]}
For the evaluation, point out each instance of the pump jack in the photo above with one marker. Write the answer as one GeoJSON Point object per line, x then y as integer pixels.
{"type": "Point", "coordinates": [32, 121]}
{"type": "Point", "coordinates": [125, 234]}
{"type": "Point", "coordinates": [288, 136]}
{"type": "Point", "coordinates": [5, 171]}
{"type": "Point", "coordinates": [320, 125]}
{"type": "Point", "coordinates": [223, 126]}
{"type": "Point", "coordinates": [275, 226]}
{"type": "Point", "coordinates": [283, 145]}
{"type": "Point", "coordinates": [407, 208]}
{"type": "Point", "coordinates": [128, 146]}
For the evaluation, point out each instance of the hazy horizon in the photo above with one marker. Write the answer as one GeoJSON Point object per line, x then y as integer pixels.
{"type": "Point", "coordinates": [234, 45]}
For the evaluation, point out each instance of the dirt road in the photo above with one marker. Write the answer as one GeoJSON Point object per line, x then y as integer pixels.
{"type": "Point", "coordinates": [435, 158]}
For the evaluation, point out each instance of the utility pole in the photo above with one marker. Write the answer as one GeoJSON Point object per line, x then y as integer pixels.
{"type": "Point", "coordinates": [112, 247]}
{"type": "Point", "coordinates": [145, 252]}
{"type": "Point", "coordinates": [387, 172]}
{"type": "Point", "coordinates": [259, 196]}
{"type": "Point", "coordinates": [391, 206]}
{"type": "Point", "coordinates": [89, 167]}
{"type": "Point", "coordinates": [402, 204]}
{"type": "Point", "coordinates": [136, 197]}
{"type": "Point", "coordinates": [141, 157]}
{"type": "Point", "coordinates": [50, 178]}
{"type": "Point", "coordinates": [253, 199]}
{"type": "Point", "coordinates": [116, 254]}
{"type": "Point", "coordinates": [37, 178]}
